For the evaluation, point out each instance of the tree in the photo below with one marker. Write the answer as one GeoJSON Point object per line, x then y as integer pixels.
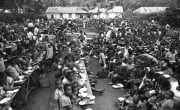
{"type": "Point", "coordinates": [178, 3]}
{"type": "Point", "coordinates": [35, 6]}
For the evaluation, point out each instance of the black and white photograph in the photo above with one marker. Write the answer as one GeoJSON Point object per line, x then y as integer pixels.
{"type": "Point", "coordinates": [89, 54]}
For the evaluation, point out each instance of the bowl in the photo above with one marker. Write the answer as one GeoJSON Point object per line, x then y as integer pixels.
{"type": "Point", "coordinates": [84, 94]}
{"type": "Point", "coordinates": [121, 98]}
{"type": "Point", "coordinates": [91, 97]}
{"type": "Point", "coordinates": [82, 103]}
{"type": "Point", "coordinates": [166, 76]}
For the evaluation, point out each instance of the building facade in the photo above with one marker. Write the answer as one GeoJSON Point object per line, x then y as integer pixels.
{"type": "Point", "coordinates": [66, 12]}
{"type": "Point", "coordinates": [81, 12]}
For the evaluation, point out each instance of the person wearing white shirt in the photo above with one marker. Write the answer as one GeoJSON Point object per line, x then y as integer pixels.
{"type": "Point", "coordinates": [36, 31]}
{"type": "Point", "coordinates": [171, 55]}
{"type": "Point", "coordinates": [2, 69]}
{"type": "Point", "coordinates": [108, 35]}
{"type": "Point", "coordinates": [49, 51]}
{"type": "Point", "coordinates": [30, 35]}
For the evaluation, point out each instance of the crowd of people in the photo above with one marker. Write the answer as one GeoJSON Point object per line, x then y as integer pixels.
{"type": "Point", "coordinates": [21, 46]}
{"type": "Point", "coordinates": [131, 55]}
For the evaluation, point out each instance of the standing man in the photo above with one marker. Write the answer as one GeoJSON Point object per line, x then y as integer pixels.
{"type": "Point", "coordinates": [49, 54]}
{"type": "Point", "coordinates": [2, 69]}
{"type": "Point", "coordinates": [81, 38]}
{"type": "Point", "coordinates": [84, 24]}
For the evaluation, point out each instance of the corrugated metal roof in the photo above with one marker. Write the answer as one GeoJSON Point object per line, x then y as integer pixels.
{"type": "Point", "coordinates": [150, 10]}
{"type": "Point", "coordinates": [65, 10]}
{"type": "Point", "coordinates": [116, 9]}
{"type": "Point", "coordinates": [95, 10]}
{"type": "Point", "coordinates": [103, 10]}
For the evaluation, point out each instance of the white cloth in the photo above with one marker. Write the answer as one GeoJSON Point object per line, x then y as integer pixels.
{"type": "Point", "coordinates": [58, 96]}
{"type": "Point", "coordinates": [126, 54]}
{"type": "Point", "coordinates": [36, 31]}
{"type": "Point", "coordinates": [102, 59]}
{"type": "Point", "coordinates": [108, 35]}
{"type": "Point", "coordinates": [30, 35]}
{"type": "Point", "coordinates": [65, 101]}
{"type": "Point", "coordinates": [50, 52]}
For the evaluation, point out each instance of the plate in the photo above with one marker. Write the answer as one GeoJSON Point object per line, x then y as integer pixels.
{"type": "Point", "coordinates": [59, 66]}
{"type": "Point", "coordinates": [29, 68]}
{"type": "Point", "coordinates": [152, 92]}
{"type": "Point", "coordinates": [128, 101]}
{"type": "Point", "coordinates": [160, 72]}
{"type": "Point", "coordinates": [88, 109]}
{"type": "Point", "coordinates": [82, 58]}
{"type": "Point", "coordinates": [115, 87]}
{"type": "Point", "coordinates": [16, 90]}
{"type": "Point", "coordinates": [20, 81]}
{"type": "Point", "coordinates": [82, 103]}
{"type": "Point", "coordinates": [5, 100]}
{"type": "Point", "coordinates": [77, 62]}
{"type": "Point", "coordinates": [91, 102]}
{"type": "Point", "coordinates": [30, 71]}
{"type": "Point", "coordinates": [120, 85]}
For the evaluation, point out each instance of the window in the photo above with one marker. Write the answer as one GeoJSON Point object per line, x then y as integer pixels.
{"type": "Point", "coordinates": [81, 16]}
{"type": "Point", "coordinates": [52, 16]}
{"type": "Point", "coordinates": [89, 16]}
{"type": "Point", "coordinates": [61, 15]}
{"type": "Point", "coordinates": [70, 15]}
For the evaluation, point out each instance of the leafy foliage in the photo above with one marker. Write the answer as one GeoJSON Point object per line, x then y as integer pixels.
{"type": "Point", "coordinates": [40, 5]}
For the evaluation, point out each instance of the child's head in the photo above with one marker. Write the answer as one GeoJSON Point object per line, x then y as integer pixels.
{"type": "Point", "coordinates": [70, 75]}
{"type": "Point", "coordinates": [135, 99]}
{"type": "Point", "coordinates": [59, 84]}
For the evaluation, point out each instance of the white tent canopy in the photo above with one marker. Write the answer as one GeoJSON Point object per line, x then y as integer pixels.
{"type": "Point", "coordinates": [150, 10]}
